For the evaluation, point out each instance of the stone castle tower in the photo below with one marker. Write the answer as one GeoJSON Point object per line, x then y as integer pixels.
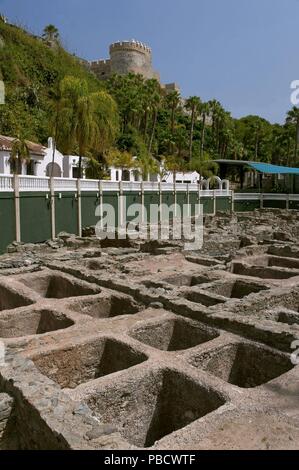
{"type": "Point", "coordinates": [125, 57]}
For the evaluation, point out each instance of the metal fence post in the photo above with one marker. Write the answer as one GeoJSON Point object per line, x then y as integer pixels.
{"type": "Point", "coordinates": [16, 184]}
{"type": "Point", "coordinates": [142, 203]}
{"type": "Point", "coordinates": [214, 202]}
{"type": "Point", "coordinates": [101, 203]}
{"type": "Point", "coordinates": [52, 203]}
{"type": "Point", "coordinates": [120, 205]}
{"type": "Point", "coordinates": [79, 207]}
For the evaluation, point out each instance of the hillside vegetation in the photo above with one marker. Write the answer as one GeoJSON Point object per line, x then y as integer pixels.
{"type": "Point", "coordinates": [32, 71]}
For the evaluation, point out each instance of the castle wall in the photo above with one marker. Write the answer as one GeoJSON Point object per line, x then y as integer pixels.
{"type": "Point", "coordinates": [126, 57]}
{"type": "Point", "coordinates": [131, 57]}
{"type": "Point", "coordinates": [102, 68]}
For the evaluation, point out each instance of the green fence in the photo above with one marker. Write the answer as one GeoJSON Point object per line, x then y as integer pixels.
{"type": "Point", "coordinates": [37, 209]}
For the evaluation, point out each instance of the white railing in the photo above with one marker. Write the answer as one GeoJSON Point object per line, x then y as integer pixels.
{"type": "Point", "coordinates": [247, 196]}
{"type": "Point", "coordinates": [131, 186]}
{"type": "Point", "coordinates": [151, 186]}
{"type": "Point", "coordinates": [6, 183]}
{"type": "Point", "coordinates": [43, 184]}
{"type": "Point", "coordinates": [65, 184]}
{"type": "Point", "coordinates": [110, 186]}
{"type": "Point", "coordinates": [275, 197]}
{"type": "Point", "coordinates": [265, 197]}
{"type": "Point", "coordinates": [33, 183]}
{"type": "Point", "coordinates": [193, 187]}
{"type": "Point", "coordinates": [169, 187]}
{"type": "Point", "coordinates": [89, 185]}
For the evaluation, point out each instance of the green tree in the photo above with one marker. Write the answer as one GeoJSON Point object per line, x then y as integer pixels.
{"type": "Point", "coordinates": [256, 135]}
{"type": "Point", "coordinates": [204, 111]}
{"type": "Point", "coordinates": [193, 105]}
{"type": "Point", "coordinates": [51, 33]}
{"type": "Point", "coordinates": [172, 101]}
{"type": "Point", "coordinates": [205, 166]}
{"type": "Point", "coordinates": [293, 118]}
{"type": "Point", "coordinates": [20, 153]}
{"type": "Point", "coordinates": [155, 103]}
{"type": "Point", "coordinates": [88, 121]}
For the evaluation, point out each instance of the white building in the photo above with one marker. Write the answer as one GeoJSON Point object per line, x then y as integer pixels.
{"type": "Point", "coordinates": [121, 174]}
{"type": "Point", "coordinates": [41, 160]}
{"type": "Point", "coordinates": [130, 174]}
{"type": "Point", "coordinates": [189, 177]}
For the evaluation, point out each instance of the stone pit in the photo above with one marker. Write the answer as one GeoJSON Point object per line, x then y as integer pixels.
{"type": "Point", "coordinates": [142, 345]}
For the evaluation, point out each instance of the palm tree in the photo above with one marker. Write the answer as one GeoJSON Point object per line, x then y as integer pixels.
{"type": "Point", "coordinates": [173, 100]}
{"type": "Point", "coordinates": [76, 123]}
{"type": "Point", "coordinates": [105, 125]}
{"type": "Point", "coordinates": [54, 121]}
{"type": "Point", "coordinates": [204, 110]}
{"type": "Point", "coordinates": [51, 33]}
{"type": "Point", "coordinates": [88, 121]}
{"type": "Point", "coordinates": [215, 107]}
{"type": "Point", "coordinates": [192, 104]}
{"type": "Point", "coordinates": [155, 105]}
{"type": "Point", "coordinates": [181, 141]}
{"type": "Point", "coordinates": [293, 118]}
{"type": "Point", "coordinates": [19, 153]}
{"type": "Point", "coordinates": [257, 131]}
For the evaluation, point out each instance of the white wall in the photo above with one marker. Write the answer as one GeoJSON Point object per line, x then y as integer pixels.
{"type": "Point", "coordinates": [117, 174]}
{"type": "Point", "coordinates": [65, 163]}
{"type": "Point", "coordinates": [41, 166]}
{"type": "Point", "coordinates": [181, 177]}
{"type": "Point", "coordinates": [70, 162]}
{"type": "Point", "coordinates": [4, 162]}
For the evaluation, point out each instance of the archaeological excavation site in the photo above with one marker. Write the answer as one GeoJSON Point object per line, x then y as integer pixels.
{"type": "Point", "coordinates": [138, 345]}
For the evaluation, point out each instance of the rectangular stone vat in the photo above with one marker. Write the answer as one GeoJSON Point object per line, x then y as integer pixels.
{"type": "Point", "coordinates": [32, 322]}
{"type": "Point", "coordinates": [10, 299]}
{"type": "Point", "coordinates": [167, 402]}
{"type": "Point", "coordinates": [234, 289]}
{"type": "Point", "coordinates": [58, 286]}
{"type": "Point", "coordinates": [74, 365]}
{"type": "Point", "coordinates": [181, 280]}
{"type": "Point", "coordinates": [243, 364]}
{"type": "Point", "coordinates": [105, 305]}
{"type": "Point", "coordinates": [263, 272]}
{"type": "Point", "coordinates": [201, 297]}
{"type": "Point", "coordinates": [283, 315]}
{"type": "Point", "coordinates": [174, 334]}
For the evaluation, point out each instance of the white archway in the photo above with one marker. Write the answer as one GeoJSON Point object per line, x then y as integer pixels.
{"type": "Point", "coordinates": [225, 185]}
{"type": "Point", "coordinates": [56, 172]}
{"type": "Point", "coordinates": [205, 185]}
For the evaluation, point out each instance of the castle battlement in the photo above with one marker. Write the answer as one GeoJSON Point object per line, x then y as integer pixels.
{"type": "Point", "coordinates": [100, 62]}
{"type": "Point", "coordinates": [130, 45]}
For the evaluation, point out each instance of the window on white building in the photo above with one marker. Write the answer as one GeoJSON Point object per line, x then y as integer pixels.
{"type": "Point", "coordinates": [126, 175]}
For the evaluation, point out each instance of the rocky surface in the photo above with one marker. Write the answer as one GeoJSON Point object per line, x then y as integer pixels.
{"type": "Point", "coordinates": [129, 344]}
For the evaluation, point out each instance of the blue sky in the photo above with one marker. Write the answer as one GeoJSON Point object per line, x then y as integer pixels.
{"type": "Point", "coordinates": [245, 53]}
